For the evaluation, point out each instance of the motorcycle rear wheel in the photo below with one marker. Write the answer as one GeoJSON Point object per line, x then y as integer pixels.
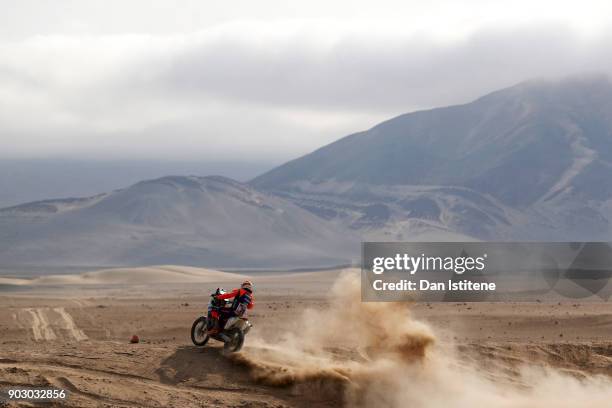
{"type": "Point", "coordinates": [236, 341]}
{"type": "Point", "coordinates": [199, 337]}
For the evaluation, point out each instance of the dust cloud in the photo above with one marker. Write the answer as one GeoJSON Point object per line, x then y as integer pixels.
{"type": "Point", "coordinates": [377, 355]}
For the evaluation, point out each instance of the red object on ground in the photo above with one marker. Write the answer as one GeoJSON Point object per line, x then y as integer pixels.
{"type": "Point", "coordinates": [134, 339]}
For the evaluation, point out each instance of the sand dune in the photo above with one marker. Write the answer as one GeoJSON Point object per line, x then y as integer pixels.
{"type": "Point", "coordinates": [132, 276]}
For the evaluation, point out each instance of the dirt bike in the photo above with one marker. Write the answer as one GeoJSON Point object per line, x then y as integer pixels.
{"type": "Point", "coordinates": [232, 331]}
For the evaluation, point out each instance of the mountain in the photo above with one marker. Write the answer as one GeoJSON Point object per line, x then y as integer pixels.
{"type": "Point", "coordinates": [211, 221]}
{"type": "Point", "coordinates": [530, 162]}
{"type": "Point", "coordinates": [533, 161]}
{"type": "Point", "coordinates": [32, 179]}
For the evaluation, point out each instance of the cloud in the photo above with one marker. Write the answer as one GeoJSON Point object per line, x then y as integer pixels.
{"type": "Point", "coordinates": [390, 72]}
{"type": "Point", "coordinates": [262, 89]}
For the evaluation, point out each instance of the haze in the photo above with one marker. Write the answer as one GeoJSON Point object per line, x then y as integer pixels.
{"type": "Point", "coordinates": [189, 87]}
{"type": "Point", "coordinates": [270, 80]}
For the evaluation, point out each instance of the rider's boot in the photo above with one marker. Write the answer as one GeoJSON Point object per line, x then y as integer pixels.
{"type": "Point", "coordinates": [215, 328]}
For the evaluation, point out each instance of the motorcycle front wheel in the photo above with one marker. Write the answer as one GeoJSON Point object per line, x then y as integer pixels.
{"type": "Point", "coordinates": [199, 337]}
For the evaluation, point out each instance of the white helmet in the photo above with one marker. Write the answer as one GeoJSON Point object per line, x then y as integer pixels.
{"type": "Point", "coordinates": [248, 285]}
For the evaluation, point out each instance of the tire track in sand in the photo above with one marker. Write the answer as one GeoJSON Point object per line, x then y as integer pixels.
{"type": "Point", "coordinates": [40, 325]}
{"type": "Point", "coordinates": [47, 324]}
{"type": "Point", "coordinates": [69, 324]}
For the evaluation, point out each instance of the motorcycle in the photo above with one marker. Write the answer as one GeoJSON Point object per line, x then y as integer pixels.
{"type": "Point", "coordinates": [232, 331]}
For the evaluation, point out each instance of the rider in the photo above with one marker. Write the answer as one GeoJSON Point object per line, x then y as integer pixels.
{"type": "Point", "coordinates": [243, 300]}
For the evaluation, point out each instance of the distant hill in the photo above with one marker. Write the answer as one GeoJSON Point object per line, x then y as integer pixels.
{"type": "Point", "coordinates": [530, 161]}
{"type": "Point", "coordinates": [212, 221]}
{"type": "Point", "coordinates": [32, 179]}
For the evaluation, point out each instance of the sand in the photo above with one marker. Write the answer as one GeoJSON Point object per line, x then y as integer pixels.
{"type": "Point", "coordinates": [73, 332]}
{"type": "Point", "coordinates": [130, 276]}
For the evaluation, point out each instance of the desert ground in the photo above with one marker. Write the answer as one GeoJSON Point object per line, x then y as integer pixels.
{"type": "Point", "coordinates": [313, 344]}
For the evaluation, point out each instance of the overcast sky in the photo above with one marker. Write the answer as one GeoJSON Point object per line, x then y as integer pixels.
{"type": "Point", "coordinates": [264, 80]}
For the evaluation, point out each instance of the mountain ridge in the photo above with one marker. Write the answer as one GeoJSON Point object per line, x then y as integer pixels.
{"type": "Point", "coordinates": [213, 221]}
{"type": "Point", "coordinates": [529, 162]}
{"type": "Point", "coordinates": [540, 149]}
{"type": "Point", "coordinates": [444, 146]}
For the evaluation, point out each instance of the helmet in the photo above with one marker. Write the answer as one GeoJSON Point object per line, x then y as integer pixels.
{"type": "Point", "coordinates": [248, 285]}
